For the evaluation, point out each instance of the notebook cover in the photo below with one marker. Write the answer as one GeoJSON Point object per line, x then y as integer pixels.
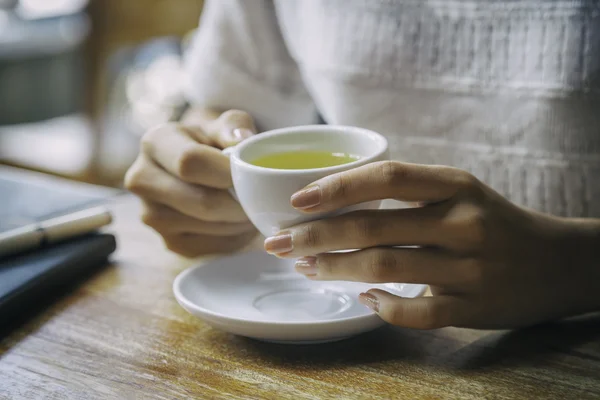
{"type": "Point", "coordinates": [29, 280]}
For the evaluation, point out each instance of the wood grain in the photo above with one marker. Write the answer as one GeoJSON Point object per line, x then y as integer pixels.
{"type": "Point", "coordinates": [121, 335]}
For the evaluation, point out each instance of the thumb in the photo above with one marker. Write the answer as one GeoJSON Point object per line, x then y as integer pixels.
{"type": "Point", "coordinates": [232, 127]}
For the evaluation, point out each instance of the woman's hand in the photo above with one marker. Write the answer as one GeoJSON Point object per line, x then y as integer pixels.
{"type": "Point", "coordinates": [182, 178]}
{"type": "Point", "coordinates": [489, 263]}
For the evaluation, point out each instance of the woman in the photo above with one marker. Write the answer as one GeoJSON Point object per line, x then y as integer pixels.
{"type": "Point", "coordinates": [506, 90]}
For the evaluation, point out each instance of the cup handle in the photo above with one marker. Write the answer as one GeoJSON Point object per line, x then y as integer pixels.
{"type": "Point", "coordinates": [227, 152]}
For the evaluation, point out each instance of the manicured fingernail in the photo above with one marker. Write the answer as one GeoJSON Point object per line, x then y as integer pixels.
{"type": "Point", "coordinates": [307, 198]}
{"type": "Point", "coordinates": [237, 135]}
{"type": "Point", "coordinates": [307, 266]}
{"type": "Point", "coordinates": [279, 244]}
{"type": "Point", "coordinates": [369, 300]}
{"type": "Point", "coordinates": [242, 133]}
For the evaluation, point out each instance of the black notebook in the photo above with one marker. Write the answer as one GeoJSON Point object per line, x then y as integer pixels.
{"type": "Point", "coordinates": [29, 281]}
{"type": "Point", "coordinates": [32, 276]}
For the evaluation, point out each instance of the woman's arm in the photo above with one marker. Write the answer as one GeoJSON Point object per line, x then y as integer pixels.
{"type": "Point", "coordinates": [238, 60]}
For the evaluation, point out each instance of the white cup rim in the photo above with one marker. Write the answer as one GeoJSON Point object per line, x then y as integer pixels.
{"type": "Point", "coordinates": [234, 152]}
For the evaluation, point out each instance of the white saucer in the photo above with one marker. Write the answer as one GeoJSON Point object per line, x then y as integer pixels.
{"type": "Point", "coordinates": [262, 297]}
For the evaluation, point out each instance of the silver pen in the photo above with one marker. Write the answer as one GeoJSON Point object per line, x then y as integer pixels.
{"type": "Point", "coordinates": [53, 230]}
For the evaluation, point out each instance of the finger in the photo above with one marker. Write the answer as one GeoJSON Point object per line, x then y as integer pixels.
{"type": "Point", "coordinates": [387, 265]}
{"type": "Point", "coordinates": [150, 182]}
{"type": "Point", "coordinates": [363, 229]}
{"type": "Point", "coordinates": [168, 221]}
{"type": "Point", "coordinates": [192, 160]}
{"type": "Point", "coordinates": [200, 117]}
{"type": "Point", "coordinates": [190, 245]}
{"type": "Point", "coordinates": [224, 129]}
{"type": "Point", "coordinates": [418, 313]}
{"type": "Point", "coordinates": [232, 127]}
{"type": "Point", "coordinates": [382, 180]}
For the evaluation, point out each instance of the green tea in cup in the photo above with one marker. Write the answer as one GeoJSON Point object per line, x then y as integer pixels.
{"type": "Point", "coordinates": [267, 169]}
{"type": "Point", "coordinates": [303, 160]}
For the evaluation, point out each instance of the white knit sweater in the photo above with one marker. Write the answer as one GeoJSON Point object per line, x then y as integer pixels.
{"type": "Point", "coordinates": [507, 89]}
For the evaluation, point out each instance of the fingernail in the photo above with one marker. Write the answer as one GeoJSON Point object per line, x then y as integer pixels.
{"type": "Point", "coordinates": [237, 135]}
{"type": "Point", "coordinates": [369, 300]}
{"type": "Point", "coordinates": [242, 133]}
{"type": "Point", "coordinates": [307, 198]}
{"type": "Point", "coordinates": [307, 266]}
{"type": "Point", "coordinates": [279, 244]}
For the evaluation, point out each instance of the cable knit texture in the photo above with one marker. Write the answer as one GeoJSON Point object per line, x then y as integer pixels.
{"type": "Point", "coordinates": [509, 90]}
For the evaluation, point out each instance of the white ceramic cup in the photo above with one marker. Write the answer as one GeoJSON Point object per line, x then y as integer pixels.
{"type": "Point", "coordinates": [265, 193]}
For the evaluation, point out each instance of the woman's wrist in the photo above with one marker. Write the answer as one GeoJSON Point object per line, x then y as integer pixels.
{"type": "Point", "coordinates": [579, 243]}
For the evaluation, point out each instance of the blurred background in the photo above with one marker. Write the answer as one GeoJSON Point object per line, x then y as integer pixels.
{"type": "Point", "coordinates": [81, 80]}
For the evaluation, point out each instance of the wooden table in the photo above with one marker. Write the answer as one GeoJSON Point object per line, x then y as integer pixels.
{"type": "Point", "coordinates": [121, 335]}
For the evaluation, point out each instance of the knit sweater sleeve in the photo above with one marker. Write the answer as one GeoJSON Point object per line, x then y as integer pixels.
{"type": "Point", "coordinates": [238, 59]}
